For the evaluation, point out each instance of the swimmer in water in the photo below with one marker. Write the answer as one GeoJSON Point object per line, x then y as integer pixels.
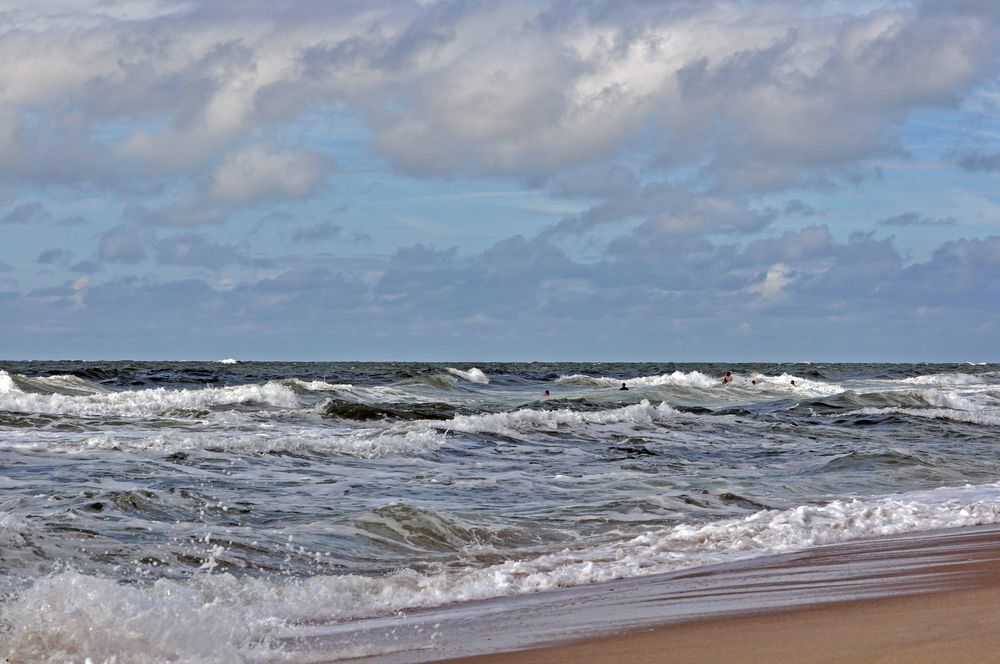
{"type": "Point", "coordinates": [623, 387]}
{"type": "Point", "coordinates": [728, 378]}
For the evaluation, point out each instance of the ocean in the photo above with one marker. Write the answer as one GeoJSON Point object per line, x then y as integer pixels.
{"type": "Point", "coordinates": [226, 511]}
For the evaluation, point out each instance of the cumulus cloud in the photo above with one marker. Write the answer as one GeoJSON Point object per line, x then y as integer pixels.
{"type": "Point", "coordinates": [960, 273]}
{"type": "Point", "coordinates": [810, 243]}
{"type": "Point", "coordinates": [668, 209]}
{"type": "Point", "coordinates": [674, 131]}
{"type": "Point", "coordinates": [763, 95]}
{"type": "Point", "coordinates": [528, 297]}
{"type": "Point", "coordinates": [257, 172]}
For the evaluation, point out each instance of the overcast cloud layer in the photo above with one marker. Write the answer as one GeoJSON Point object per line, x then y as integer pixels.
{"type": "Point", "coordinates": [500, 180]}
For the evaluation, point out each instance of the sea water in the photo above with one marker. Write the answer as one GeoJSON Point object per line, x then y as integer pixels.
{"type": "Point", "coordinates": [213, 512]}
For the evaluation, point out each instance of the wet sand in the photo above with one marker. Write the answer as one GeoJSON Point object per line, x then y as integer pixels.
{"type": "Point", "coordinates": [922, 597]}
{"type": "Point", "coordinates": [955, 627]}
{"type": "Point", "coordinates": [943, 606]}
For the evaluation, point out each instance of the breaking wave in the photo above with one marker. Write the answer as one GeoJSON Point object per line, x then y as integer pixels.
{"type": "Point", "coordinates": [67, 616]}
{"type": "Point", "coordinates": [528, 419]}
{"type": "Point", "coordinates": [472, 375]}
{"type": "Point", "coordinates": [966, 416]}
{"type": "Point", "coordinates": [140, 403]}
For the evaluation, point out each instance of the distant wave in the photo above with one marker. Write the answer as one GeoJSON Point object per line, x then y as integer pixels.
{"type": "Point", "coordinates": [950, 379]}
{"type": "Point", "coordinates": [59, 384]}
{"type": "Point", "coordinates": [700, 381]}
{"type": "Point", "coordinates": [472, 375]}
{"type": "Point", "coordinates": [967, 416]}
{"type": "Point", "coordinates": [528, 419]}
{"type": "Point", "coordinates": [141, 402]}
{"type": "Point", "coordinates": [365, 444]}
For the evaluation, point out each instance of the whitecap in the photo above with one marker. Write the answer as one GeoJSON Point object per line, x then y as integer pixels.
{"type": "Point", "coordinates": [143, 403]}
{"type": "Point", "coordinates": [955, 415]}
{"type": "Point", "coordinates": [473, 375]}
{"type": "Point", "coordinates": [221, 617]}
{"type": "Point", "coordinates": [530, 419]}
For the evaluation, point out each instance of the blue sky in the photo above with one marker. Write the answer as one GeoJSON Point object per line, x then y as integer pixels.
{"type": "Point", "coordinates": [663, 181]}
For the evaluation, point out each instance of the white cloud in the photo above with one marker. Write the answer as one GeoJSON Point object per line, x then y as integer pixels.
{"type": "Point", "coordinates": [257, 172]}
{"type": "Point", "coordinates": [765, 95]}
{"type": "Point", "coordinates": [771, 287]}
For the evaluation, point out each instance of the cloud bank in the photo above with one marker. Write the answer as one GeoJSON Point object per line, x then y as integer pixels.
{"type": "Point", "coordinates": [687, 141]}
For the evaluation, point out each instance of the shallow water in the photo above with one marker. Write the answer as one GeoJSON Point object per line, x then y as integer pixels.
{"type": "Point", "coordinates": [212, 511]}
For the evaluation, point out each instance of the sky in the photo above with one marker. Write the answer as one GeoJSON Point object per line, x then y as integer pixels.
{"type": "Point", "coordinates": [717, 180]}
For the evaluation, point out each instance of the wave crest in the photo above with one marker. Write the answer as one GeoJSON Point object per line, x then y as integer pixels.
{"type": "Point", "coordinates": [222, 618]}
{"type": "Point", "coordinates": [141, 403]}
{"type": "Point", "coordinates": [472, 375]}
{"type": "Point", "coordinates": [530, 419]}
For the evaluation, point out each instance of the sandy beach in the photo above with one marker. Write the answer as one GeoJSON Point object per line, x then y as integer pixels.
{"type": "Point", "coordinates": [930, 598]}
{"type": "Point", "coordinates": [956, 626]}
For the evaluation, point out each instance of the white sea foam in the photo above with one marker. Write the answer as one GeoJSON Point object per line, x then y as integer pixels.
{"type": "Point", "coordinates": [220, 617]}
{"type": "Point", "coordinates": [472, 375]}
{"type": "Point", "coordinates": [368, 444]}
{"type": "Point", "coordinates": [12, 530]}
{"type": "Point", "coordinates": [142, 403]}
{"type": "Point", "coordinates": [320, 385]}
{"type": "Point", "coordinates": [700, 381]}
{"type": "Point", "coordinates": [955, 415]}
{"type": "Point", "coordinates": [677, 378]}
{"type": "Point", "coordinates": [7, 385]}
{"type": "Point", "coordinates": [374, 394]}
{"type": "Point", "coordinates": [228, 360]}
{"type": "Point", "coordinates": [530, 419]}
{"type": "Point", "coordinates": [70, 617]}
{"type": "Point", "coordinates": [946, 379]}
{"type": "Point", "coordinates": [784, 383]}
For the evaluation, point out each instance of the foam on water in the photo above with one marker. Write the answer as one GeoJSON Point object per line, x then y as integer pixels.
{"type": "Point", "coordinates": [374, 394]}
{"type": "Point", "coordinates": [699, 381]}
{"type": "Point", "coordinates": [528, 419]}
{"type": "Point", "coordinates": [69, 617]}
{"type": "Point", "coordinates": [472, 375]}
{"type": "Point", "coordinates": [142, 403]}
{"type": "Point", "coordinates": [947, 379]}
{"type": "Point", "coordinates": [364, 444]}
{"type": "Point", "coordinates": [219, 617]}
{"type": "Point", "coordinates": [968, 416]}
{"type": "Point", "coordinates": [677, 378]}
{"type": "Point", "coordinates": [12, 530]}
{"type": "Point", "coordinates": [7, 385]}
{"type": "Point", "coordinates": [333, 492]}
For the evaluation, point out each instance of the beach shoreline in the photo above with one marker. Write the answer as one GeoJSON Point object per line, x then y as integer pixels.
{"type": "Point", "coordinates": [903, 598]}
{"type": "Point", "coordinates": [923, 597]}
{"type": "Point", "coordinates": [943, 626]}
